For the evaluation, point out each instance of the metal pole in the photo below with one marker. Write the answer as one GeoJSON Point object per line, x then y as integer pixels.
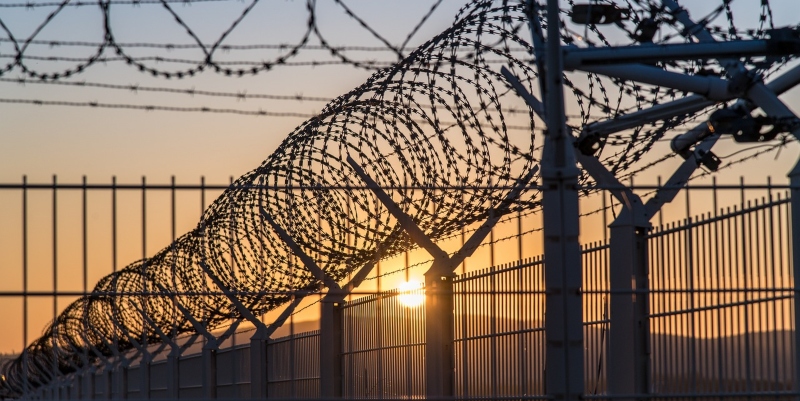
{"type": "Point", "coordinates": [209, 357]}
{"type": "Point", "coordinates": [330, 362]}
{"type": "Point", "coordinates": [439, 334]}
{"type": "Point", "coordinates": [122, 381]}
{"type": "Point", "coordinates": [88, 383]}
{"type": "Point", "coordinates": [564, 312]}
{"type": "Point", "coordinates": [107, 385]}
{"type": "Point", "coordinates": [258, 364]}
{"type": "Point", "coordinates": [794, 182]}
{"type": "Point", "coordinates": [144, 375]}
{"type": "Point", "coordinates": [628, 348]}
{"type": "Point", "coordinates": [173, 373]}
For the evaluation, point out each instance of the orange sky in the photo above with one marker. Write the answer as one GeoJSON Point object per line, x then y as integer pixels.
{"type": "Point", "coordinates": [100, 143]}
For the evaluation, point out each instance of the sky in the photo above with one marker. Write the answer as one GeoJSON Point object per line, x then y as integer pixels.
{"type": "Point", "coordinates": [40, 141]}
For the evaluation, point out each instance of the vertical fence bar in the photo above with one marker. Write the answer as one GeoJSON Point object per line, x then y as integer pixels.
{"type": "Point", "coordinates": [56, 373]}
{"type": "Point", "coordinates": [25, 362]}
{"type": "Point", "coordinates": [173, 358]}
{"type": "Point", "coordinates": [146, 358]}
{"type": "Point", "coordinates": [745, 266]}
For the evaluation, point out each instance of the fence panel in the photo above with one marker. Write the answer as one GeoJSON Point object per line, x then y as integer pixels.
{"type": "Point", "coordinates": [499, 347]}
{"type": "Point", "coordinates": [595, 314]}
{"type": "Point", "coordinates": [293, 366]}
{"type": "Point", "coordinates": [721, 322]}
{"type": "Point", "coordinates": [721, 302]}
{"type": "Point", "coordinates": [190, 376]}
{"type": "Point", "coordinates": [383, 351]}
{"type": "Point", "coordinates": [233, 372]}
{"type": "Point", "coordinates": [158, 379]}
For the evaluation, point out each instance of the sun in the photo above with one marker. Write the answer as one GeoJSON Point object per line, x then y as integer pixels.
{"type": "Point", "coordinates": [411, 294]}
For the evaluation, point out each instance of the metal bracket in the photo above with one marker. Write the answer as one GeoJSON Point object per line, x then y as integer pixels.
{"type": "Point", "coordinates": [537, 38]}
{"type": "Point", "coordinates": [679, 178]}
{"type": "Point", "coordinates": [532, 101]}
{"type": "Point", "coordinates": [633, 203]}
{"type": "Point", "coordinates": [312, 266]}
{"type": "Point", "coordinates": [581, 58]}
{"type": "Point", "coordinates": [198, 327]}
{"type": "Point", "coordinates": [164, 338]}
{"type": "Point", "coordinates": [244, 311]}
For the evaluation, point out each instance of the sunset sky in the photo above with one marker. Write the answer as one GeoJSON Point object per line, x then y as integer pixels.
{"type": "Point", "coordinates": [41, 141]}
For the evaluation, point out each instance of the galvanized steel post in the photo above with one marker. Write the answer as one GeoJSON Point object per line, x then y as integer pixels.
{"type": "Point", "coordinates": [88, 383]}
{"type": "Point", "coordinates": [258, 364]}
{"type": "Point", "coordinates": [794, 182]}
{"type": "Point", "coordinates": [209, 358]}
{"type": "Point", "coordinates": [439, 334]}
{"type": "Point", "coordinates": [122, 381]}
{"type": "Point", "coordinates": [144, 375]}
{"type": "Point", "coordinates": [330, 348]}
{"type": "Point", "coordinates": [628, 350]}
{"type": "Point", "coordinates": [173, 373]}
{"type": "Point", "coordinates": [562, 253]}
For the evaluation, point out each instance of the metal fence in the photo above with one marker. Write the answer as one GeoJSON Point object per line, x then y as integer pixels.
{"type": "Point", "coordinates": [384, 348]}
{"type": "Point", "coordinates": [719, 322]}
{"type": "Point", "coordinates": [721, 302]}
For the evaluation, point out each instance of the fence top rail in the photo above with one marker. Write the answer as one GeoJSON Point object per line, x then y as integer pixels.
{"type": "Point", "coordinates": [202, 185]}
{"type": "Point", "coordinates": [295, 336]}
{"type": "Point", "coordinates": [734, 211]}
{"type": "Point", "coordinates": [372, 297]}
{"type": "Point", "coordinates": [505, 267]}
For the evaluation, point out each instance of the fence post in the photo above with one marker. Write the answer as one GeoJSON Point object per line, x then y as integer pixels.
{"type": "Point", "coordinates": [71, 385]}
{"type": "Point", "coordinates": [173, 373]}
{"type": "Point", "coordinates": [794, 182]}
{"type": "Point", "coordinates": [88, 383]}
{"type": "Point", "coordinates": [209, 356]}
{"type": "Point", "coordinates": [563, 272]}
{"type": "Point", "coordinates": [331, 314]}
{"type": "Point", "coordinates": [144, 376]}
{"type": "Point", "coordinates": [258, 364]}
{"type": "Point", "coordinates": [108, 381]}
{"type": "Point", "coordinates": [122, 381]}
{"type": "Point", "coordinates": [439, 334]}
{"type": "Point", "coordinates": [628, 349]}
{"type": "Point", "coordinates": [330, 341]}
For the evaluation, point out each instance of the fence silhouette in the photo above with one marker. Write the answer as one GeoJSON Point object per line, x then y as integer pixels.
{"type": "Point", "coordinates": [421, 151]}
{"type": "Point", "coordinates": [720, 323]}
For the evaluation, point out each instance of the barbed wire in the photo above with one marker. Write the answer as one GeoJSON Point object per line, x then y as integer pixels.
{"type": "Point", "coordinates": [436, 118]}
{"type": "Point", "coordinates": [211, 110]}
{"type": "Point", "coordinates": [207, 62]}
{"type": "Point", "coordinates": [135, 88]}
{"type": "Point", "coordinates": [225, 47]}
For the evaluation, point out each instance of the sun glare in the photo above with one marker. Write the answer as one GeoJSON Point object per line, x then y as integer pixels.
{"type": "Point", "coordinates": [411, 294]}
